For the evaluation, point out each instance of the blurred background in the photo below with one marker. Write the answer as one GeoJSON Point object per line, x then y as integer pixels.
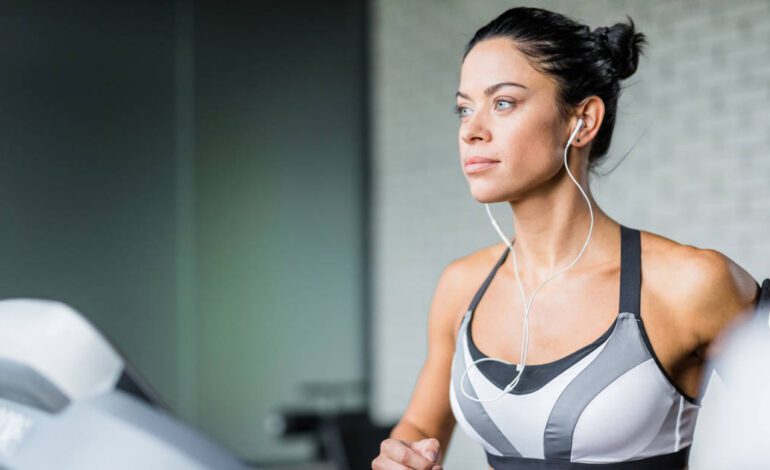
{"type": "Point", "coordinates": [254, 200]}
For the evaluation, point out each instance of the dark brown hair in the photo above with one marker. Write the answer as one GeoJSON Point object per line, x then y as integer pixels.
{"type": "Point", "coordinates": [583, 62]}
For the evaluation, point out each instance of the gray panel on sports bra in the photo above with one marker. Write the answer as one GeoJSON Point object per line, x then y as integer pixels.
{"type": "Point", "coordinates": [473, 411]}
{"type": "Point", "coordinates": [623, 351]}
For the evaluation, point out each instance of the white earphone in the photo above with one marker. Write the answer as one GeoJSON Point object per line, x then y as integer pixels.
{"type": "Point", "coordinates": [528, 305]}
{"type": "Point", "coordinates": [578, 126]}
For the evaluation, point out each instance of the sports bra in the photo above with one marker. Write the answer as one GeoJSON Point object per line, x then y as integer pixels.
{"type": "Point", "coordinates": [610, 404]}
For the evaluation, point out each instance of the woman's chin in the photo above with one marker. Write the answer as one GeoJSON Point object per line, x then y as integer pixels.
{"type": "Point", "coordinates": [491, 194]}
{"type": "Point", "coordinates": [487, 196]}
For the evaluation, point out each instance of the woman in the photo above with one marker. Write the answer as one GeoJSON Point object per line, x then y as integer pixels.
{"type": "Point", "coordinates": [610, 360]}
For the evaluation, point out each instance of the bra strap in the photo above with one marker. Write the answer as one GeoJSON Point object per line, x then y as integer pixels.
{"type": "Point", "coordinates": [630, 270]}
{"type": "Point", "coordinates": [483, 288]}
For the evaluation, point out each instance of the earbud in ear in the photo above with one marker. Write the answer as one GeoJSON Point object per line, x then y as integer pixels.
{"type": "Point", "coordinates": [579, 126]}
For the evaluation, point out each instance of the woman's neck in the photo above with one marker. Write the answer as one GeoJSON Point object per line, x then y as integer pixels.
{"type": "Point", "coordinates": [551, 228]}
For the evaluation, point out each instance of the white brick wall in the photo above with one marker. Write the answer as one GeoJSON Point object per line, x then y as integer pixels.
{"type": "Point", "coordinates": [699, 106]}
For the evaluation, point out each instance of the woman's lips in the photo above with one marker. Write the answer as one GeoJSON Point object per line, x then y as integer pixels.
{"type": "Point", "coordinates": [477, 167]}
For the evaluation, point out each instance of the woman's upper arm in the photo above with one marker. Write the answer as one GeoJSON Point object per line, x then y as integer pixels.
{"type": "Point", "coordinates": [720, 293]}
{"type": "Point", "coordinates": [429, 409]}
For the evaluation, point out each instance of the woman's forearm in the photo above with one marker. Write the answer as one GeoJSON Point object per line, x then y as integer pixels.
{"type": "Point", "coordinates": [406, 431]}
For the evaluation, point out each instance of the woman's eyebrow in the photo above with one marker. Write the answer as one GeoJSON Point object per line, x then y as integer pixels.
{"type": "Point", "coordinates": [491, 89]}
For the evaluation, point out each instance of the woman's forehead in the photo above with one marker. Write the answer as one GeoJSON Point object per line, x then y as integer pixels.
{"type": "Point", "coordinates": [494, 61]}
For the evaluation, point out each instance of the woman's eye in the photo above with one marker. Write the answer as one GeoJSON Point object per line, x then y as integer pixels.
{"type": "Point", "coordinates": [460, 111]}
{"type": "Point", "coordinates": [464, 111]}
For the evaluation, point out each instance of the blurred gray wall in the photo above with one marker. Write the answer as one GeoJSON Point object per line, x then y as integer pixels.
{"type": "Point", "coordinates": [697, 109]}
{"type": "Point", "coordinates": [189, 177]}
{"type": "Point", "coordinates": [87, 169]}
{"type": "Point", "coordinates": [279, 212]}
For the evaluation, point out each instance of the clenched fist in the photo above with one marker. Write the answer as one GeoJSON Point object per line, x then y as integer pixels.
{"type": "Point", "coordinates": [404, 455]}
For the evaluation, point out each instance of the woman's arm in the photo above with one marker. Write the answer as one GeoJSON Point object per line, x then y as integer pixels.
{"type": "Point", "coordinates": [720, 293]}
{"type": "Point", "coordinates": [429, 413]}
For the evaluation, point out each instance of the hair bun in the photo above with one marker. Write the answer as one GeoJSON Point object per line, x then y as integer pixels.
{"type": "Point", "coordinates": [623, 44]}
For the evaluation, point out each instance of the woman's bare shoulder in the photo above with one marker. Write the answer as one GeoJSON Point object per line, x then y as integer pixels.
{"type": "Point", "coordinates": [703, 287]}
{"type": "Point", "coordinates": [482, 259]}
{"type": "Point", "coordinates": [689, 268]}
{"type": "Point", "coordinates": [463, 276]}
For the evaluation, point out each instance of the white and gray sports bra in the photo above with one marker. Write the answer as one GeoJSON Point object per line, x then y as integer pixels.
{"type": "Point", "coordinates": [609, 404]}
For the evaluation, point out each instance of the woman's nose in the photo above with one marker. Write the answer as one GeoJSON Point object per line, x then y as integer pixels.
{"type": "Point", "coordinates": [475, 129]}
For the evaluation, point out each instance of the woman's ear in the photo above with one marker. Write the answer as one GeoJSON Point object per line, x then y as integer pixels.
{"type": "Point", "coordinates": [592, 112]}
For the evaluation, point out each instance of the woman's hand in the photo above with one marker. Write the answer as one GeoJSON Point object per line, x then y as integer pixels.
{"type": "Point", "coordinates": [396, 454]}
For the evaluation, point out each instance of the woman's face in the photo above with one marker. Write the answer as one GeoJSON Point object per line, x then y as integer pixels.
{"type": "Point", "coordinates": [517, 124]}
